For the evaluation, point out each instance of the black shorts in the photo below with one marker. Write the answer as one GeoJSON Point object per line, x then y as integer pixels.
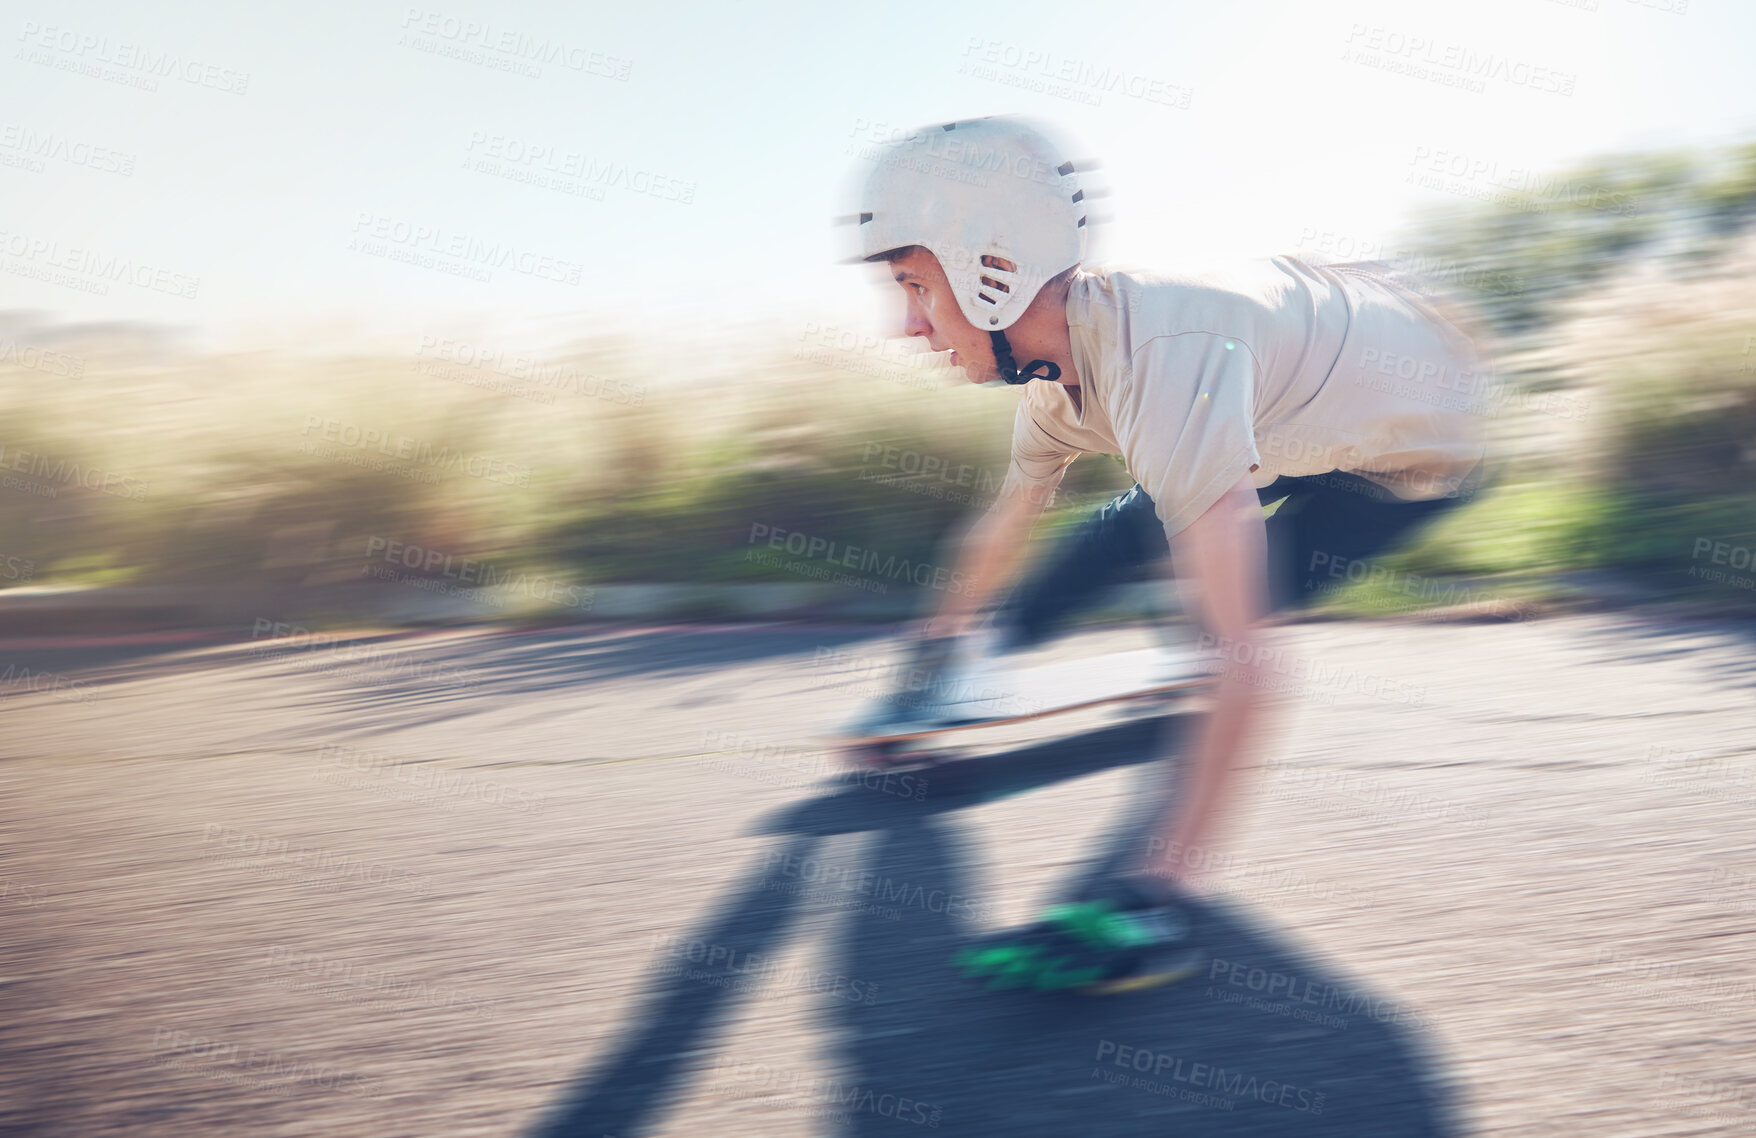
{"type": "Point", "coordinates": [1321, 535]}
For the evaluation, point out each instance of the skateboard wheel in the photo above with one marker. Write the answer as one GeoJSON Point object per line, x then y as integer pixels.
{"type": "Point", "coordinates": [887, 756]}
{"type": "Point", "coordinates": [870, 756]}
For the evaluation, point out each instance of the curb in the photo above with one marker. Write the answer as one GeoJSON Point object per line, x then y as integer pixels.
{"type": "Point", "coordinates": [169, 610]}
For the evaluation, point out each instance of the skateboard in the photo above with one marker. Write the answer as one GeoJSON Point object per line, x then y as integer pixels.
{"type": "Point", "coordinates": [904, 729]}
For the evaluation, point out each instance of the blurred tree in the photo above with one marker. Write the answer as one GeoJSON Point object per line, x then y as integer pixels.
{"type": "Point", "coordinates": [1728, 196]}
{"type": "Point", "coordinates": [1519, 256]}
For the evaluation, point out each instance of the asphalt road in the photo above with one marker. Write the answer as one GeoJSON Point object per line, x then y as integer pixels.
{"type": "Point", "coordinates": [1490, 878]}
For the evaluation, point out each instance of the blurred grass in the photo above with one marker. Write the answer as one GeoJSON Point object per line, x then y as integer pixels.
{"type": "Point", "coordinates": [1664, 460]}
{"type": "Point", "coordinates": [145, 464]}
{"type": "Point", "coordinates": [598, 489]}
{"type": "Point", "coordinates": [213, 482]}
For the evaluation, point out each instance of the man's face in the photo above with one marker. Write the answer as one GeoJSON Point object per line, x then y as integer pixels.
{"type": "Point", "coordinates": [932, 312]}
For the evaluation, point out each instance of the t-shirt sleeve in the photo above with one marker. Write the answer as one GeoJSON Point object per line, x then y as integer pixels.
{"type": "Point", "coordinates": [1038, 458]}
{"type": "Point", "coordinates": [1184, 418]}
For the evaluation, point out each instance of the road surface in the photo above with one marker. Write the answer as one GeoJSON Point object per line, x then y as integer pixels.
{"type": "Point", "coordinates": [1489, 878]}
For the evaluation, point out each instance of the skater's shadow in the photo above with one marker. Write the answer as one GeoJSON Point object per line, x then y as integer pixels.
{"type": "Point", "coordinates": [1266, 1041]}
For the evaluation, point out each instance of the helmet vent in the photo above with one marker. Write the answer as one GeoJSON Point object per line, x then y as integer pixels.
{"type": "Point", "coordinates": [1078, 195]}
{"type": "Point", "coordinates": [996, 285]}
{"type": "Point", "coordinates": [1081, 224]}
{"type": "Point", "coordinates": [987, 298]}
{"type": "Point", "coordinates": [864, 218]}
{"type": "Point", "coordinates": [1064, 169]}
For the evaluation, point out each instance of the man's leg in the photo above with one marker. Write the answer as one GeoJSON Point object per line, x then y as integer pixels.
{"type": "Point", "coordinates": [1325, 523]}
{"type": "Point", "coordinates": [1330, 526]}
{"type": "Point", "coordinates": [1133, 931]}
{"type": "Point", "coordinates": [1104, 551]}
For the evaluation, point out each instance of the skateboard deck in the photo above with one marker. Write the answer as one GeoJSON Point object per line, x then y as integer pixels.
{"type": "Point", "coordinates": [1038, 691]}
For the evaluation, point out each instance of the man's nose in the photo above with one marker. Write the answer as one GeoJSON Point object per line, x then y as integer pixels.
{"type": "Point", "coordinates": [915, 323]}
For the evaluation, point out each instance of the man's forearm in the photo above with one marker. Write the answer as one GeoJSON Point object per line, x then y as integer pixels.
{"type": "Point", "coordinates": [981, 558]}
{"type": "Point", "coordinates": [990, 548]}
{"type": "Point", "coordinates": [1222, 738]}
{"type": "Point", "coordinates": [1224, 554]}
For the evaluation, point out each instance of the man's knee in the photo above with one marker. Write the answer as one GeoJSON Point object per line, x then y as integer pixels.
{"type": "Point", "coordinates": [1131, 521]}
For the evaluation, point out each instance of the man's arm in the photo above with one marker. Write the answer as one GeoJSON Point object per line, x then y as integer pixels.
{"type": "Point", "coordinates": [1223, 556]}
{"type": "Point", "coordinates": [990, 547]}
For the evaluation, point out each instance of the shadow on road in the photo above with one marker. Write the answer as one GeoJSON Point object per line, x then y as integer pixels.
{"type": "Point", "coordinates": [406, 681]}
{"type": "Point", "coordinates": [563, 658]}
{"type": "Point", "coordinates": [917, 1045]}
{"type": "Point", "coordinates": [1633, 639]}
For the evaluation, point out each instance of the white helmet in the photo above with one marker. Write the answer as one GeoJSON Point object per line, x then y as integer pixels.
{"type": "Point", "coordinates": [971, 192]}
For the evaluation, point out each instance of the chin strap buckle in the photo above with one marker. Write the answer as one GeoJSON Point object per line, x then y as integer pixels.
{"type": "Point", "coordinates": [1009, 370]}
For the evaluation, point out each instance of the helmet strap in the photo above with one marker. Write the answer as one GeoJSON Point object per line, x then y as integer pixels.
{"type": "Point", "coordinates": [1008, 366]}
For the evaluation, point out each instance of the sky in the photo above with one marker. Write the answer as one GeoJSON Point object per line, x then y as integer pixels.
{"type": "Point", "coordinates": [344, 174]}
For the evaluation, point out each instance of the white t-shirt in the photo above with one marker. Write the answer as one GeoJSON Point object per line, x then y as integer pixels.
{"type": "Point", "coordinates": [1277, 368]}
